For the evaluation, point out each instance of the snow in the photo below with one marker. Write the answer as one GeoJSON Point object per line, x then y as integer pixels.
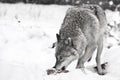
{"type": "Point", "coordinates": [27, 32]}
{"type": "Point", "coordinates": [112, 18]}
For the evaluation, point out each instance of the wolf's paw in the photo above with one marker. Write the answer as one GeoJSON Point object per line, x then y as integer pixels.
{"type": "Point", "coordinates": [103, 72]}
{"type": "Point", "coordinates": [102, 65]}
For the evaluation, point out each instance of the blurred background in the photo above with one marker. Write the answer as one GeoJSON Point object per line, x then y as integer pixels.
{"type": "Point", "coordinates": [106, 4]}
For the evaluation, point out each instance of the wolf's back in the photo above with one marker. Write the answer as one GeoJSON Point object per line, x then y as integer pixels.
{"type": "Point", "coordinates": [86, 19]}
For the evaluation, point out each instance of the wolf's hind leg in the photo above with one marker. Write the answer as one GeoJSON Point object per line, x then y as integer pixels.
{"type": "Point", "coordinates": [99, 52]}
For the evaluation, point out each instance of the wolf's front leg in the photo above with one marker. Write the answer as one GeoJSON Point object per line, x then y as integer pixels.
{"type": "Point", "coordinates": [80, 65]}
{"type": "Point", "coordinates": [87, 55]}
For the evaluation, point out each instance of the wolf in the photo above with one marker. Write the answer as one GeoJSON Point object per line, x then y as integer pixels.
{"type": "Point", "coordinates": [81, 33]}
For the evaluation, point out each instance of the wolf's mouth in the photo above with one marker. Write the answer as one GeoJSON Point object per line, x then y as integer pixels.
{"type": "Point", "coordinates": [63, 68]}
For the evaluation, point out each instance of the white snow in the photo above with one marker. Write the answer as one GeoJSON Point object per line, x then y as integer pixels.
{"type": "Point", "coordinates": [27, 32]}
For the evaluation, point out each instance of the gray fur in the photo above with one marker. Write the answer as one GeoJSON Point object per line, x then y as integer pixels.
{"type": "Point", "coordinates": [80, 34]}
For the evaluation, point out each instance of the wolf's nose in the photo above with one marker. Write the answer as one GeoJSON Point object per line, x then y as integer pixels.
{"type": "Point", "coordinates": [54, 66]}
{"type": "Point", "coordinates": [63, 68]}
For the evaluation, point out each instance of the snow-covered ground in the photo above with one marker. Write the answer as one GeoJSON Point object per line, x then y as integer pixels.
{"type": "Point", "coordinates": [26, 36]}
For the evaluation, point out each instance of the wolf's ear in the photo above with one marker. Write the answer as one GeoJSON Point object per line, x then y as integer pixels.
{"type": "Point", "coordinates": [58, 37]}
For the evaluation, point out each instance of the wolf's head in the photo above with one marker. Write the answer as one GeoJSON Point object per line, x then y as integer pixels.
{"type": "Point", "coordinates": [65, 52]}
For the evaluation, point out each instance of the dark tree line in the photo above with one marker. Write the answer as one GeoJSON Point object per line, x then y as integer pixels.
{"type": "Point", "coordinates": [106, 4]}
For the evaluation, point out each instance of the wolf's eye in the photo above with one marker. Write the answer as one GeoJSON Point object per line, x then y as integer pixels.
{"type": "Point", "coordinates": [60, 57]}
{"type": "Point", "coordinates": [74, 54]}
